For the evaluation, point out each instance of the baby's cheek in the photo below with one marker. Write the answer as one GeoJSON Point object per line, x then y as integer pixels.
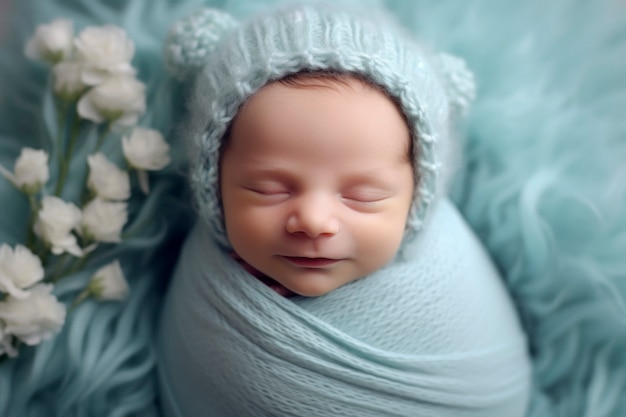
{"type": "Point", "coordinates": [248, 227]}
{"type": "Point", "coordinates": [378, 241]}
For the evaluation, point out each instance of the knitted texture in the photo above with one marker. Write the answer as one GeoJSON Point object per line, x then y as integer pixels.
{"type": "Point", "coordinates": [293, 39]}
{"type": "Point", "coordinates": [191, 40]}
{"type": "Point", "coordinates": [433, 334]}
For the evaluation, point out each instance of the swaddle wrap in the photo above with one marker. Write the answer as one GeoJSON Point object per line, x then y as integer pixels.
{"type": "Point", "coordinates": [432, 334]}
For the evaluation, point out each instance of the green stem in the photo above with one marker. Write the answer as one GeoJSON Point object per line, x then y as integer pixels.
{"type": "Point", "coordinates": [58, 270]}
{"type": "Point", "coordinates": [78, 264]}
{"type": "Point", "coordinates": [81, 297]}
{"type": "Point", "coordinates": [103, 135]}
{"type": "Point", "coordinates": [34, 209]}
{"type": "Point", "coordinates": [61, 119]}
{"type": "Point", "coordinates": [85, 197]}
{"type": "Point", "coordinates": [68, 157]}
{"type": "Point", "coordinates": [43, 255]}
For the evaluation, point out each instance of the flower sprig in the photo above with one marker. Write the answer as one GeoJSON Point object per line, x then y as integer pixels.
{"type": "Point", "coordinates": [95, 87]}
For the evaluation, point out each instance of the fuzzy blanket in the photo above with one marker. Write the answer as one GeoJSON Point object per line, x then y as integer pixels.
{"type": "Point", "coordinates": [542, 186]}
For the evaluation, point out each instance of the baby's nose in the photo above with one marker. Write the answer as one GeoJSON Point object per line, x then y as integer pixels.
{"type": "Point", "coordinates": [313, 215]}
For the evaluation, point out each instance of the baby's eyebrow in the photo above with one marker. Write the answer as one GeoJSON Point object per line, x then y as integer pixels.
{"type": "Point", "coordinates": [270, 167]}
{"type": "Point", "coordinates": [373, 182]}
{"type": "Point", "coordinates": [384, 178]}
{"type": "Point", "coordinates": [266, 170]}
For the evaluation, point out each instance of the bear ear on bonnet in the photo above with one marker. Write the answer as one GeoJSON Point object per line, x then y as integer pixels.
{"type": "Point", "coordinates": [192, 39]}
{"type": "Point", "coordinates": [458, 82]}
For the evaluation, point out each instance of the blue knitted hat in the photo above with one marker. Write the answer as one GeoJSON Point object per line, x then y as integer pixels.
{"type": "Point", "coordinates": [230, 61]}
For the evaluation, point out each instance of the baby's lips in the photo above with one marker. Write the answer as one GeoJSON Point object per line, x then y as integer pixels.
{"type": "Point", "coordinates": [311, 262]}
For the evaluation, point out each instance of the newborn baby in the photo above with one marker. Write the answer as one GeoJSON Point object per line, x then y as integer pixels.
{"type": "Point", "coordinates": [328, 273]}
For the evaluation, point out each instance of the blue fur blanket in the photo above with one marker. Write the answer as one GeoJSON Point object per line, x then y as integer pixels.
{"type": "Point", "coordinates": [542, 184]}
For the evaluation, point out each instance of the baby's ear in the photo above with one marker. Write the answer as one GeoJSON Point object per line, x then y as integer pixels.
{"type": "Point", "coordinates": [458, 82]}
{"type": "Point", "coordinates": [191, 40]}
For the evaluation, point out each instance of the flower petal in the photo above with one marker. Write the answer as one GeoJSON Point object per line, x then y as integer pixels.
{"type": "Point", "coordinates": [87, 110]}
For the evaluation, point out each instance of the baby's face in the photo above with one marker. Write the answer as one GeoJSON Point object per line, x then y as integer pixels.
{"type": "Point", "coordinates": [317, 183]}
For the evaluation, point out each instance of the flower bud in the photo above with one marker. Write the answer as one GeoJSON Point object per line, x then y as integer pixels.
{"type": "Point", "coordinates": [104, 51]}
{"type": "Point", "coordinates": [106, 180]}
{"type": "Point", "coordinates": [31, 170]}
{"type": "Point", "coordinates": [55, 221]}
{"type": "Point", "coordinates": [103, 220]}
{"type": "Point", "coordinates": [52, 42]}
{"type": "Point", "coordinates": [19, 269]}
{"type": "Point", "coordinates": [119, 100]}
{"type": "Point", "coordinates": [35, 318]}
{"type": "Point", "coordinates": [68, 83]}
{"type": "Point", "coordinates": [109, 283]}
{"type": "Point", "coordinates": [146, 149]}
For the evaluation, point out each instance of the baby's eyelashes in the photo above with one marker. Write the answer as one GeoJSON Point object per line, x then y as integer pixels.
{"type": "Point", "coordinates": [366, 194]}
{"type": "Point", "coordinates": [269, 189]}
{"type": "Point", "coordinates": [366, 202]}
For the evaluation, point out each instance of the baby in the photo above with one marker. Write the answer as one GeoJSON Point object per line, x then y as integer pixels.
{"type": "Point", "coordinates": [328, 274]}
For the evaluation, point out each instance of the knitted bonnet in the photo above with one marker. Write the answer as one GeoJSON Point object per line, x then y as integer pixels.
{"type": "Point", "coordinates": [229, 61]}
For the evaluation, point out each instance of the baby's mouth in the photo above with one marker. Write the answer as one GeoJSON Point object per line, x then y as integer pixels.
{"type": "Point", "coordinates": [304, 262]}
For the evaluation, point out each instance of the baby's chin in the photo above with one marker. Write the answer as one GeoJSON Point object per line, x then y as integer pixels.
{"type": "Point", "coordinates": [276, 286]}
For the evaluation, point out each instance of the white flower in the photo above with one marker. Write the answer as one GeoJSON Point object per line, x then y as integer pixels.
{"type": "Point", "coordinates": [68, 83]}
{"type": "Point", "coordinates": [31, 170]}
{"type": "Point", "coordinates": [120, 100]}
{"type": "Point", "coordinates": [35, 318]}
{"type": "Point", "coordinates": [52, 42]}
{"type": "Point", "coordinates": [19, 269]}
{"type": "Point", "coordinates": [109, 283]}
{"type": "Point", "coordinates": [103, 220]}
{"type": "Point", "coordinates": [6, 344]}
{"type": "Point", "coordinates": [105, 51]}
{"type": "Point", "coordinates": [106, 180]}
{"type": "Point", "coordinates": [55, 221]}
{"type": "Point", "coordinates": [146, 149]}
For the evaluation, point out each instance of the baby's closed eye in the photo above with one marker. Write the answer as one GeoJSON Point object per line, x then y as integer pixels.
{"type": "Point", "coordinates": [267, 191]}
{"type": "Point", "coordinates": [365, 194]}
{"type": "Point", "coordinates": [267, 188]}
{"type": "Point", "coordinates": [365, 198]}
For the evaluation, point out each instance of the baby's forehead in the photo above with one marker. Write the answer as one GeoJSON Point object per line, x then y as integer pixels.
{"type": "Point", "coordinates": [340, 82]}
{"type": "Point", "coordinates": [323, 81]}
{"type": "Point", "coordinates": [334, 129]}
{"type": "Point", "coordinates": [338, 98]}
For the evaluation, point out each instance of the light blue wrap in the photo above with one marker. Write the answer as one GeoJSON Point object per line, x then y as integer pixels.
{"type": "Point", "coordinates": [433, 333]}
